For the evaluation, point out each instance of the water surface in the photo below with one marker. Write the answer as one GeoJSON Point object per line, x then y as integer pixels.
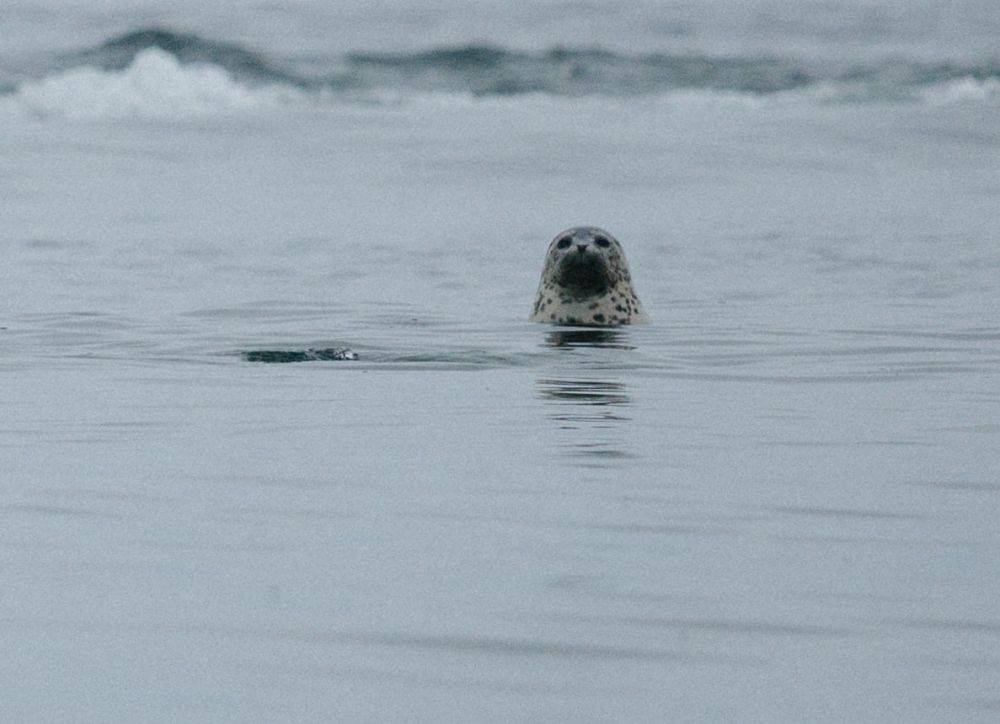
{"type": "Point", "coordinates": [776, 501]}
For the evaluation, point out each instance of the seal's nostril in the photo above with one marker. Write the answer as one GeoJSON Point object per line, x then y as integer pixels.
{"type": "Point", "coordinates": [581, 247]}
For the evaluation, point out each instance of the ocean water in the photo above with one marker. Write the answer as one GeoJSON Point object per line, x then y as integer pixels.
{"type": "Point", "coordinates": [778, 501]}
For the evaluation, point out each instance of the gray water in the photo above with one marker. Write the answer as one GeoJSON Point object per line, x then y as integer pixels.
{"type": "Point", "coordinates": [777, 501]}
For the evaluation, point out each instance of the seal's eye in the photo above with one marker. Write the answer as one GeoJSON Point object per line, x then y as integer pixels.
{"type": "Point", "coordinates": [602, 242]}
{"type": "Point", "coordinates": [564, 242]}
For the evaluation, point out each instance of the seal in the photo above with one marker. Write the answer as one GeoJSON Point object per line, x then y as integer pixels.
{"type": "Point", "coordinates": [586, 281]}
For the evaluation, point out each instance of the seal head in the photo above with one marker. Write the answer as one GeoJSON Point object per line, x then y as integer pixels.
{"type": "Point", "coordinates": [586, 281]}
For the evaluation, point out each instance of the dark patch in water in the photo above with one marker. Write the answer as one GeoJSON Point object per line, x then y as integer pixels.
{"type": "Point", "coordinates": [279, 356]}
{"type": "Point", "coordinates": [463, 57]}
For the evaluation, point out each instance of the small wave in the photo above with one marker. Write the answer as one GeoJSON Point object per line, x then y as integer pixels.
{"type": "Point", "coordinates": [488, 70]}
{"type": "Point", "coordinates": [155, 85]}
{"type": "Point", "coordinates": [903, 73]}
{"type": "Point", "coordinates": [244, 65]}
{"type": "Point", "coordinates": [960, 90]}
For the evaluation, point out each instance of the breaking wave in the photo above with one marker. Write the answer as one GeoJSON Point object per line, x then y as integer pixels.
{"type": "Point", "coordinates": [155, 85]}
{"type": "Point", "coordinates": [155, 73]}
{"type": "Point", "coordinates": [244, 65]}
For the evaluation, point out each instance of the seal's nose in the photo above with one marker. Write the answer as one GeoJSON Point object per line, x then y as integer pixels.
{"type": "Point", "coordinates": [581, 248]}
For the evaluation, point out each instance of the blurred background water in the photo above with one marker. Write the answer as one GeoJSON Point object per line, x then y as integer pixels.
{"type": "Point", "coordinates": [776, 501]}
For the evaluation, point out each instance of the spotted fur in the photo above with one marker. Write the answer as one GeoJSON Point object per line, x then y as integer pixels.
{"type": "Point", "coordinates": [586, 281]}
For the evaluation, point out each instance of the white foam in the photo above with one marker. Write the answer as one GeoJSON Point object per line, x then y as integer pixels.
{"type": "Point", "coordinates": [155, 85]}
{"type": "Point", "coordinates": [961, 90]}
{"type": "Point", "coordinates": [678, 98]}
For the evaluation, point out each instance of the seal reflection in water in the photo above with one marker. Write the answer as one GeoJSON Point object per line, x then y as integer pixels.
{"type": "Point", "coordinates": [604, 338]}
{"type": "Point", "coordinates": [586, 281]}
{"type": "Point", "coordinates": [592, 416]}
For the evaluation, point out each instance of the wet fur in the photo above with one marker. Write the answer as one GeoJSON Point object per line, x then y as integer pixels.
{"type": "Point", "coordinates": [592, 289]}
